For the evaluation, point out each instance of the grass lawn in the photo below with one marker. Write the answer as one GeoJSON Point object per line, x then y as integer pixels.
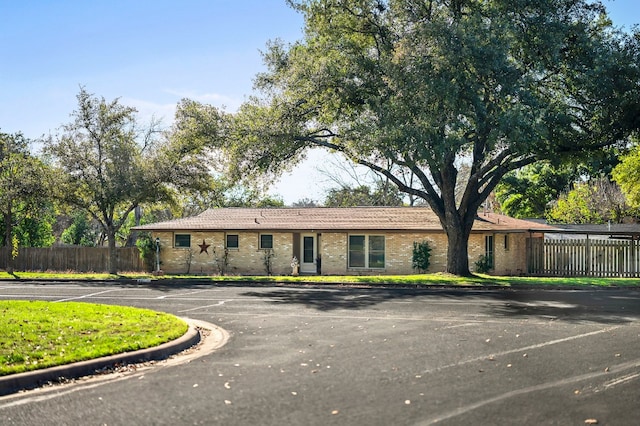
{"type": "Point", "coordinates": [36, 334]}
{"type": "Point", "coordinates": [434, 280]}
{"type": "Point", "coordinates": [417, 279]}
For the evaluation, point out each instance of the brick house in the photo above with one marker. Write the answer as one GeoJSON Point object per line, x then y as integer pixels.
{"type": "Point", "coordinates": [328, 241]}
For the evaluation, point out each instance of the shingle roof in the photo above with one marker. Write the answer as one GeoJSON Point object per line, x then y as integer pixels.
{"type": "Point", "coordinates": [328, 219]}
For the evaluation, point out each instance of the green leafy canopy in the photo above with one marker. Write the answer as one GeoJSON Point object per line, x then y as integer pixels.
{"type": "Point", "coordinates": [421, 88]}
{"type": "Point", "coordinates": [108, 164]}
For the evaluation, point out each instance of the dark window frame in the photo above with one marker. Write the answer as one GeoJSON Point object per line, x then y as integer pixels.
{"type": "Point", "coordinates": [231, 246]}
{"type": "Point", "coordinates": [182, 241]}
{"type": "Point", "coordinates": [262, 239]}
{"type": "Point", "coordinates": [490, 250]}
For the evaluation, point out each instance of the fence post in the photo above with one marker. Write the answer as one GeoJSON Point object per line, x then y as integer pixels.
{"type": "Point", "coordinates": [632, 256]}
{"type": "Point", "coordinates": [587, 259]}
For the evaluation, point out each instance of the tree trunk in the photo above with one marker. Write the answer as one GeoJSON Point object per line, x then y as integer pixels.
{"type": "Point", "coordinates": [133, 235]}
{"type": "Point", "coordinates": [458, 252]}
{"type": "Point", "coordinates": [113, 255]}
{"type": "Point", "coordinates": [8, 238]}
{"type": "Point", "coordinates": [457, 226]}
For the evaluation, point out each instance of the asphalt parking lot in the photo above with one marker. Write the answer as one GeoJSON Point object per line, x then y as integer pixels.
{"type": "Point", "coordinates": [362, 356]}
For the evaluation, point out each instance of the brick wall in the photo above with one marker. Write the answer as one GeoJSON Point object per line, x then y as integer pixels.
{"type": "Point", "coordinates": [512, 259]}
{"type": "Point", "coordinates": [400, 252]}
{"type": "Point", "coordinates": [509, 258]}
{"type": "Point", "coordinates": [248, 259]}
{"type": "Point", "coordinates": [333, 250]}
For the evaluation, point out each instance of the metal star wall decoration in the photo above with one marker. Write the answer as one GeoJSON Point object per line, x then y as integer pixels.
{"type": "Point", "coordinates": [204, 247]}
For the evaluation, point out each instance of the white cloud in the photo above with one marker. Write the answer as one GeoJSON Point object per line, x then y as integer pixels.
{"type": "Point", "coordinates": [165, 111]}
{"type": "Point", "coordinates": [228, 103]}
{"type": "Point", "coordinates": [148, 110]}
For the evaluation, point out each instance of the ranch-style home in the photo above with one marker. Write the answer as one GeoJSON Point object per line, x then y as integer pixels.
{"type": "Point", "coordinates": [328, 241]}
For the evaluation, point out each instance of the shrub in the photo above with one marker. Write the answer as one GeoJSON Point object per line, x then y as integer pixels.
{"type": "Point", "coordinates": [421, 256]}
{"type": "Point", "coordinates": [147, 247]}
{"type": "Point", "coordinates": [268, 262]}
{"type": "Point", "coordinates": [484, 264]}
{"type": "Point", "coordinates": [222, 262]}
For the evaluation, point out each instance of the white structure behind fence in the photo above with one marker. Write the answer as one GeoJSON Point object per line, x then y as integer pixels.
{"type": "Point", "coordinates": [584, 257]}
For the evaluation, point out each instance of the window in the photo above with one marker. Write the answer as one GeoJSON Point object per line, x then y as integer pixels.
{"type": "Point", "coordinates": [506, 242]}
{"type": "Point", "coordinates": [232, 241]}
{"type": "Point", "coordinates": [356, 251]}
{"type": "Point", "coordinates": [366, 251]}
{"type": "Point", "coordinates": [488, 249]}
{"type": "Point", "coordinates": [266, 241]}
{"type": "Point", "coordinates": [376, 251]}
{"type": "Point", "coordinates": [307, 249]}
{"type": "Point", "coordinates": [182, 240]}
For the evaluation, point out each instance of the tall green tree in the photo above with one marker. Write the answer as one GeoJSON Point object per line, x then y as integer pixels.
{"type": "Point", "coordinates": [528, 192]}
{"type": "Point", "coordinates": [24, 201]}
{"type": "Point", "coordinates": [80, 232]}
{"type": "Point", "coordinates": [591, 202]}
{"type": "Point", "coordinates": [305, 202]}
{"type": "Point", "coordinates": [109, 164]}
{"type": "Point", "coordinates": [363, 196]}
{"type": "Point", "coordinates": [627, 175]}
{"type": "Point", "coordinates": [34, 227]}
{"type": "Point", "coordinates": [425, 87]}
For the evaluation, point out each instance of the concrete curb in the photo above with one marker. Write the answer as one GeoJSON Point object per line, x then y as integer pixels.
{"type": "Point", "coordinates": [33, 379]}
{"type": "Point", "coordinates": [183, 282]}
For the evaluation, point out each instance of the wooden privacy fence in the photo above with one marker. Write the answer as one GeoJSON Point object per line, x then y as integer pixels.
{"type": "Point", "coordinates": [583, 257]}
{"type": "Point", "coordinates": [78, 259]}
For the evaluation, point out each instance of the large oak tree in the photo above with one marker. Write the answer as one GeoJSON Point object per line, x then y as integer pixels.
{"type": "Point", "coordinates": [23, 194]}
{"type": "Point", "coordinates": [109, 164]}
{"type": "Point", "coordinates": [429, 87]}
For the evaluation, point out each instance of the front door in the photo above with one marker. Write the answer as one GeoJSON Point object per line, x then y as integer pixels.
{"type": "Point", "coordinates": [308, 254]}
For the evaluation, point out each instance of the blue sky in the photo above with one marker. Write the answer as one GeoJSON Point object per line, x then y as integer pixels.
{"type": "Point", "coordinates": [150, 54]}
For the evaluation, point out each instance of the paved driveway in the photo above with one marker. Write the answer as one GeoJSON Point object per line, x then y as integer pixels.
{"type": "Point", "coordinates": [347, 356]}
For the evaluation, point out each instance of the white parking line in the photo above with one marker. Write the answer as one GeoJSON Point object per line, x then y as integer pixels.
{"type": "Point", "coordinates": [538, 388]}
{"type": "Point", "coordinates": [523, 349]}
{"type": "Point", "coordinates": [181, 294]}
{"type": "Point", "coordinates": [220, 303]}
{"type": "Point", "coordinates": [621, 380]}
{"type": "Point", "coordinates": [466, 324]}
{"type": "Point", "coordinates": [85, 296]}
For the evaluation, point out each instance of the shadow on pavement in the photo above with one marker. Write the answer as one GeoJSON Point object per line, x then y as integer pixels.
{"type": "Point", "coordinates": [602, 306]}
{"type": "Point", "coordinates": [610, 306]}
